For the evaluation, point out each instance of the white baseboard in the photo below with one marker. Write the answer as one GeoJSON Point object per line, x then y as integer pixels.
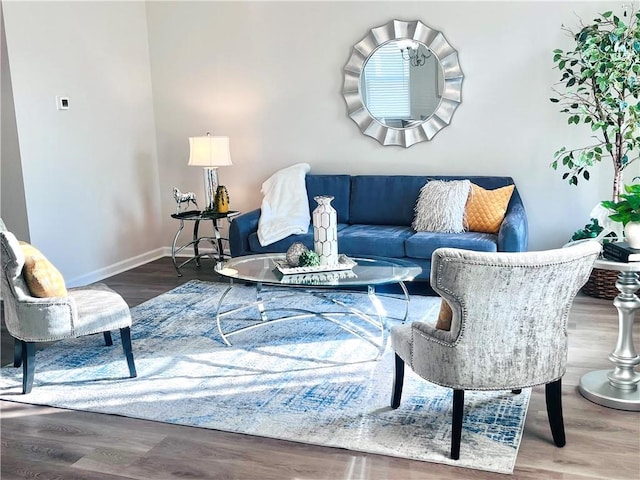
{"type": "Point", "coordinates": [130, 263]}
{"type": "Point", "coordinates": [118, 267]}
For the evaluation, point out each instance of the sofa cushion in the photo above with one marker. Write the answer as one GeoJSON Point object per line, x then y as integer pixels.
{"type": "Point", "coordinates": [485, 209]}
{"type": "Point", "coordinates": [422, 244]}
{"type": "Point", "coordinates": [376, 240]}
{"type": "Point", "coordinates": [338, 186]}
{"type": "Point", "coordinates": [283, 245]}
{"type": "Point", "coordinates": [384, 199]}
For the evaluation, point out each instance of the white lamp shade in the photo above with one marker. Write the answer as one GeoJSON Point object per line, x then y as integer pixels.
{"type": "Point", "coordinates": [209, 151]}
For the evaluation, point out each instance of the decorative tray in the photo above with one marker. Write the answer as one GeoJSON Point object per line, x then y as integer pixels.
{"type": "Point", "coordinates": [344, 263]}
{"type": "Point", "coordinates": [319, 278]}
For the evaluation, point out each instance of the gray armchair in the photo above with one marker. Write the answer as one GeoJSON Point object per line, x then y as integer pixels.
{"type": "Point", "coordinates": [85, 311]}
{"type": "Point", "coordinates": [508, 326]}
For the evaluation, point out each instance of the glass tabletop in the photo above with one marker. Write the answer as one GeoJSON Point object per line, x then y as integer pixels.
{"type": "Point", "coordinates": [206, 215]}
{"type": "Point", "coordinates": [367, 271]}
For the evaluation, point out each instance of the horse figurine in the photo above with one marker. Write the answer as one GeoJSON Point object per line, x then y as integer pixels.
{"type": "Point", "coordinates": [181, 198]}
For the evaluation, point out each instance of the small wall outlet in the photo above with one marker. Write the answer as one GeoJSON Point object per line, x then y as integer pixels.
{"type": "Point", "coordinates": [62, 103]}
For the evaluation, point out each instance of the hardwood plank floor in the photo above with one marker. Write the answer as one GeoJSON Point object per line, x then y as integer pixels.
{"type": "Point", "coordinates": [49, 443]}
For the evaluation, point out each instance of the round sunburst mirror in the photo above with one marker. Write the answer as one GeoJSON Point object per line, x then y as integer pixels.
{"type": "Point", "coordinates": [402, 83]}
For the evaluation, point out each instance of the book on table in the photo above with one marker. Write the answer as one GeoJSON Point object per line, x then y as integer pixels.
{"type": "Point", "coordinates": [620, 252]}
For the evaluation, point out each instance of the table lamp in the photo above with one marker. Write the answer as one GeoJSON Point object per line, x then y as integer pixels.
{"type": "Point", "coordinates": [209, 152]}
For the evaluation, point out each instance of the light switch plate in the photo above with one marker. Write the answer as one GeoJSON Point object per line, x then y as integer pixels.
{"type": "Point", "coordinates": [62, 103]}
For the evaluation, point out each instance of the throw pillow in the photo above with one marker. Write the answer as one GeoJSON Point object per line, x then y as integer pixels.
{"type": "Point", "coordinates": [440, 206]}
{"type": "Point", "coordinates": [486, 208]}
{"type": "Point", "coordinates": [444, 316]}
{"type": "Point", "coordinates": [43, 279]}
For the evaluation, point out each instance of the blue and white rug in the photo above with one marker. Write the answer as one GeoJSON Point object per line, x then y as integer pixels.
{"type": "Point", "coordinates": [305, 381]}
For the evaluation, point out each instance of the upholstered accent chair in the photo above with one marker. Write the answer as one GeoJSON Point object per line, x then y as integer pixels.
{"type": "Point", "coordinates": [508, 326]}
{"type": "Point", "coordinates": [30, 320]}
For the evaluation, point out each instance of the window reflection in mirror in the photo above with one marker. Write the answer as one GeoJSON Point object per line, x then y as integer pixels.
{"type": "Point", "coordinates": [401, 83]}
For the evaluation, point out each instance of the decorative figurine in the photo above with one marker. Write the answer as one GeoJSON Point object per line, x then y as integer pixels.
{"type": "Point", "coordinates": [222, 199]}
{"type": "Point", "coordinates": [181, 198]}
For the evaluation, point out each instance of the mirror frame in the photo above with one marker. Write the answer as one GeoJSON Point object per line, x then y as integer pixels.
{"type": "Point", "coordinates": [451, 94]}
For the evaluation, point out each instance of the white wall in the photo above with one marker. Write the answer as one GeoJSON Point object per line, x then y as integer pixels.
{"type": "Point", "coordinates": [269, 75]}
{"type": "Point", "coordinates": [90, 173]}
{"type": "Point", "coordinates": [13, 209]}
{"type": "Point", "coordinates": [98, 177]}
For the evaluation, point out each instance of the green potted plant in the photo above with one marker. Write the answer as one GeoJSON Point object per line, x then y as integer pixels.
{"type": "Point", "coordinates": [599, 87]}
{"type": "Point", "coordinates": [627, 211]}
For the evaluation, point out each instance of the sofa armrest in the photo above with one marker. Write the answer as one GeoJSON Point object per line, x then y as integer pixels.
{"type": "Point", "coordinates": [514, 231]}
{"type": "Point", "coordinates": [240, 229]}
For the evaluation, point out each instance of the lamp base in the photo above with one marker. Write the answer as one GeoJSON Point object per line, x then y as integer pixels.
{"type": "Point", "coordinates": [210, 186]}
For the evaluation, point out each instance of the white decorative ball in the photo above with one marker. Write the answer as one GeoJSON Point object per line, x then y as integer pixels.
{"type": "Point", "coordinates": [294, 252]}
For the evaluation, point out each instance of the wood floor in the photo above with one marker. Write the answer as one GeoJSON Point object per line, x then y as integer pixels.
{"type": "Point", "coordinates": [48, 443]}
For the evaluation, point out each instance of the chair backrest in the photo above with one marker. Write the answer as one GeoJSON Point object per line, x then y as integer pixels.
{"type": "Point", "coordinates": [510, 311]}
{"type": "Point", "coordinates": [29, 318]}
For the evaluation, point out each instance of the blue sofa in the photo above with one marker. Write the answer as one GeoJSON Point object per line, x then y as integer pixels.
{"type": "Point", "coordinates": [375, 213]}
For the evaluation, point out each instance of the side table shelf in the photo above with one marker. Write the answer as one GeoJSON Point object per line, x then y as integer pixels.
{"type": "Point", "coordinates": [216, 240]}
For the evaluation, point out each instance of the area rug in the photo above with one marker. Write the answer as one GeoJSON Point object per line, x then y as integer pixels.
{"type": "Point", "coordinates": [306, 381]}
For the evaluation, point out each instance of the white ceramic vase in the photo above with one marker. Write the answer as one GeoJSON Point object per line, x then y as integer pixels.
{"type": "Point", "coordinates": [325, 230]}
{"type": "Point", "coordinates": [632, 234]}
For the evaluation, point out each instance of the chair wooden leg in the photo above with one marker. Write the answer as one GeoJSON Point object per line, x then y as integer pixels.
{"type": "Point", "coordinates": [28, 365]}
{"type": "Point", "coordinates": [17, 352]}
{"type": "Point", "coordinates": [125, 334]}
{"type": "Point", "coordinates": [553, 395]}
{"type": "Point", "coordinates": [398, 381]}
{"type": "Point", "coordinates": [456, 423]}
{"type": "Point", "coordinates": [108, 341]}
{"type": "Point", "coordinates": [517, 391]}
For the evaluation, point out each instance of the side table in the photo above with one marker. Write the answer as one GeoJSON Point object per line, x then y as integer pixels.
{"type": "Point", "coordinates": [618, 388]}
{"type": "Point", "coordinates": [196, 216]}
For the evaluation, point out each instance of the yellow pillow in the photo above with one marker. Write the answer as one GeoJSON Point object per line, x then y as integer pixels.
{"type": "Point", "coordinates": [43, 279]}
{"type": "Point", "coordinates": [485, 209]}
{"type": "Point", "coordinates": [444, 316]}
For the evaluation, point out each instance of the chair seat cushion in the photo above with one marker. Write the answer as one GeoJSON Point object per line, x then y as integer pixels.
{"type": "Point", "coordinates": [43, 279]}
{"type": "Point", "coordinates": [100, 309]}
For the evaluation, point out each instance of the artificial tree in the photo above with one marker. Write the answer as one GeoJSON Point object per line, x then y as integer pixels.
{"type": "Point", "coordinates": [600, 87]}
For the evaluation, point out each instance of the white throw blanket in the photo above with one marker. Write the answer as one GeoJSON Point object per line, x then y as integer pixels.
{"type": "Point", "coordinates": [285, 208]}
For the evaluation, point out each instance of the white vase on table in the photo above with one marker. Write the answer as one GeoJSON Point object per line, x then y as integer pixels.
{"type": "Point", "coordinates": [325, 230]}
{"type": "Point", "coordinates": [632, 234]}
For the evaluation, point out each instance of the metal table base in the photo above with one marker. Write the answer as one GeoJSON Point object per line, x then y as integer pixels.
{"type": "Point", "coordinates": [618, 388]}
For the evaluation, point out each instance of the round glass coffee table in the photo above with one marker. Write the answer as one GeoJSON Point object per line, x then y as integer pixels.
{"type": "Point", "coordinates": [370, 272]}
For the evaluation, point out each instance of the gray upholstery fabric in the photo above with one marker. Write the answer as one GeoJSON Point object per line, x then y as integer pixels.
{"type": "Point", "coordinates": [509, 320]}
{"type": "Point", "coordinates": [12, 256]}
{"type": "Point", "coordinates": [91, 309]}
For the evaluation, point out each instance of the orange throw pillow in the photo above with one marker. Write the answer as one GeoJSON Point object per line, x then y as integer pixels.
{"type": "Point", "coordinates": [43, 279]}
{"type": "Point", "coordinates": [444, 316]}
{"type": "Point", "coordinates": [485, 209]}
